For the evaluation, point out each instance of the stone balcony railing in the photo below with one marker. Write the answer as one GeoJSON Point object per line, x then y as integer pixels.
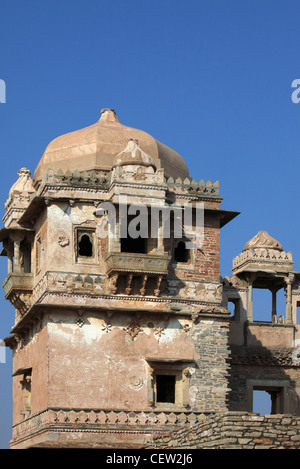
{"type": "Point", "coordinates": [263, 256]}
{"type": "Point", "coordinates": [18, 288]}
{"type": "Point", "coordinates": [131, 262]}
{"type": "Point", "coordinates": [87, 420]}
{"type": "Point", "coordinates": [17, 281]}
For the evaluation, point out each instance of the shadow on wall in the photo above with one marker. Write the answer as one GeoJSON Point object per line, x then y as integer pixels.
{"type": "Point", "coordinates": [263, 361]}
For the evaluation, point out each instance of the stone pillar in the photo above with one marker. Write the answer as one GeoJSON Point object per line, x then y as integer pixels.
{"type": "Point", "coordinates": [117, 243]}
{"type": "Point", "coordinates": [289, 280]}
{"type": "Point", "coordinates": [160, 240]}
{"type": "Point", "coordinates": [250, 301]}
{"type": "Point", "coordinates": [17, 238]}
{"type": "Point", "coordinates": [17, 256]}
{"type": "Point", "coordinates": [274, 305]}
{"type": "Point", "coordinates": [9, 261]}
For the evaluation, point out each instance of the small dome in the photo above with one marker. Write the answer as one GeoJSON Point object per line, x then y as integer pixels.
{"type": "Point", "coordinates": [133, 155]}
{"type": "Point", "coordinates": [97, 146]}
{"type": "Point", "coordinates": [24, 183]}
{"type": "Point", "coordinates": [263, 240]}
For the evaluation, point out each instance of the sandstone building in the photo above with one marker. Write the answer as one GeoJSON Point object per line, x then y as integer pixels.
{"type": "Point", "coordinates": [119, 338]}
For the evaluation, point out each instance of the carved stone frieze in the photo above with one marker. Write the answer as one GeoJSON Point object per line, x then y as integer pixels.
{"type": "Point", "coordinates": [202, 291]}
{"type": "Point", "coordinates": [133, 329]}
{"type": "Point", "coordinates": [67, 281]}
{"type": "Point", "coordinates": [103, 420]}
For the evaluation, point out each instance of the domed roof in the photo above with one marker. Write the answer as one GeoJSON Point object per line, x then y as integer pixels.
{"type": "Point", "coordinates": [96, 147]}
{"type": "Point", "coordinates": [263, 240]}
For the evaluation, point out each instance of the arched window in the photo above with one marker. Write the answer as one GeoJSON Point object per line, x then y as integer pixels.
{"type": "Point", "coordinates": [85, 245]}
{"type": "Point", "coordinates": [181, 254]}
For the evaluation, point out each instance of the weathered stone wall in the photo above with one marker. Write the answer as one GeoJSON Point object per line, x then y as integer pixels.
{"type": "Point", "coordinates": [109, 359]}
{"type": "Point", "coordinates": [251, 367]}
{"type": "Point", "coordinates": [31, 352]}
{"type": "Point", "coordinates": [101, 362]}
{"type": "Point", "coordinates": [210, 380]}
{"type": "Point", "coordinates": [236, 430]}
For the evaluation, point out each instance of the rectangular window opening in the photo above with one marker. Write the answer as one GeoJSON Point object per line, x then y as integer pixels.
{"type": "Point", "coordinates": [298, 314]}
{"type": "Point", "coordinates": [165, 388]}
{"type": "Point", "coordinates": [261, 402]}
{"type": "Point", "coordinates": [268, 400]}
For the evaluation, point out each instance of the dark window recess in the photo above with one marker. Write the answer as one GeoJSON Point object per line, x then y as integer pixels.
{"type": "Point", "coordinates": [25, 259]}
{"type": "Point", "coordinates": [165, 388]}
{"type": "Point", "coordinates": [138, 245]}
{"type": "Point", "coordinates": [85, 246]}
{"type": "Point", "coordinates": [181, 254]}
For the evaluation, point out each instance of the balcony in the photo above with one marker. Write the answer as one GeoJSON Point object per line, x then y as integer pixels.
{"type": "Point", "coordinates": [152, 264]}
{"type": "Point", "coordinates": [17, 281]}
{"type": "Point", "coordinates": [18, 289]}
{"type": "Point", "coordinates": [136, 273]}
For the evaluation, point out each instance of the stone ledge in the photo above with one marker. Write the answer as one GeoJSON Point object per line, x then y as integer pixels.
{"type": "Point", "coordinates": [102, 422]}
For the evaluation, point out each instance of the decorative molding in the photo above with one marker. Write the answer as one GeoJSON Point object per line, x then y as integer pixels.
{"type": "Point", "coordinates": [262, 257]}
{"type": "Point", "coordinates": [89, 181]}
{"type": "Point", "coordinates": [107, 327]}
{"type": "Point", "coordinates": [63, 241]}
{"type": "Point", "coordinates": [103, 421]}
{"type": "Point", "coordinates": [133, 329]}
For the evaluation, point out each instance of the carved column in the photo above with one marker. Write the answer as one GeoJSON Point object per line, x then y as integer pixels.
{"type": "Point", "coordinates": [128, 286]}
{"type": "Point", "coordinates": [143, 287]}
{"type": "Point", "coordinates": [113, 284]}
{"type": "Point", "coordinates": [17, 256]}
{"type": "Point", "coordinates": [250, 302]}
{"type": "Point", "coordinates": [251, 280]}
{"type": "Point", "coordinates": [17, 238]}
{"type": "Point", "coordinates": [116, 243]}
{"type": "Point", "coordinates": [274, 304]}
{"type": "Point", "coordinates": [157, 289]}
{"type": "Point", "coordinates": [289, 280]}
{"type": "Point", "coordinates": [160, 241]}
{"type": "Point", "coordinates": [9, 261]}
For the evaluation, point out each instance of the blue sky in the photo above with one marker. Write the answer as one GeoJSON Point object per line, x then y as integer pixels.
{"type": "Point", "coordinates": [209, 78]}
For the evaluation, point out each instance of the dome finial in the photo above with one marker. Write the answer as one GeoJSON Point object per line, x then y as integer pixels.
{"type": "Point", "coordinates": [108, 116]}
